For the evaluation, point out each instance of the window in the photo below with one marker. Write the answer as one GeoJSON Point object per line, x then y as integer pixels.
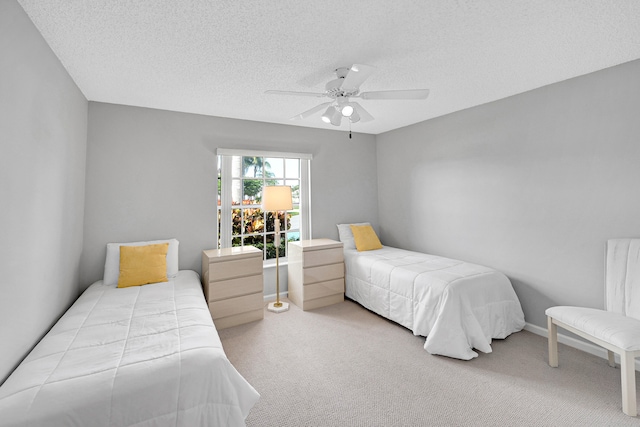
{"type": "Point", "coordinates": [241, 221]}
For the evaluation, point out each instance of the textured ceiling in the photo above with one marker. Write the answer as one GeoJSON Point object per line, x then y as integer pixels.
{"type": "Point", "coordinates": [218, 57]}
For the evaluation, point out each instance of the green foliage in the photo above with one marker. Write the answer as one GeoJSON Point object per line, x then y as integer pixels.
{"type": "Point", "coordinates": [260, 168]}
{"type": "Point", "coordinates": [271, 248]}
{"type": "Point", "coordinates": [254, 222]}
{"type": "Point", "coordinates": [250, 225]}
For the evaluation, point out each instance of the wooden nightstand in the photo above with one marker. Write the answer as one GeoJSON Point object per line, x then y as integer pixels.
{"type": "Point", "coordinates": [233, 285]}
{"type": "Point", "coordinates": [316, 273]}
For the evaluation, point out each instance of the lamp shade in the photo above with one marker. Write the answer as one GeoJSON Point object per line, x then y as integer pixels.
{"type": "Point", "coordinates": [277, 198]}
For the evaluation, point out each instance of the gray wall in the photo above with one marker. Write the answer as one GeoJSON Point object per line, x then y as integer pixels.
{"type": "Point", "coordinates": [532, 185]}
{"type": "Point", "coordinates": [151, 174]}
{"type": "Point", "coordinates": [43, 130]}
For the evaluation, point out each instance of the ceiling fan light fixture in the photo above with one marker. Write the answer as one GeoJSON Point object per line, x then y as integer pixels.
{"type": "Point", "coordinates": [336, 118]}
{"type": "Point", "coordinates": [327, 116]}
{"type": "Point", "coordinates": [347, 110]}
{"type": "Point", "coordinates": [354, 117]}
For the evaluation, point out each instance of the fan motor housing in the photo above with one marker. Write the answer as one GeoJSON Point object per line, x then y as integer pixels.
{"type": "Point", "coordinates": [333, 89]}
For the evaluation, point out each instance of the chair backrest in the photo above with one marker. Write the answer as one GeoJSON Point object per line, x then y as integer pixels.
{"type": "Point", "coordinates": [622, 282]}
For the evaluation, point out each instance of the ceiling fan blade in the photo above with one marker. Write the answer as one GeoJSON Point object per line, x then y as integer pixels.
{"type": "Point", "coordinates": [396, 94]}
{"type": "Point", "coordinates": [364, 114]}
{"type": "Point", "coordinates": [311, 112]}
{"type": "Point", "coordinates": [357, 74]}
{"type": "Point", "coordinates": [289, 92]}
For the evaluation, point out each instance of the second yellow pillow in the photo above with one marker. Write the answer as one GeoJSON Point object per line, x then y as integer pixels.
{"type": "Point", "coordinates": [140, 265]}
{"type": "Point", "coordinates": [365, 238]}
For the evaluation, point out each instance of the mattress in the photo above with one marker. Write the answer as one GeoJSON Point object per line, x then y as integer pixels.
{"type": "Point", "coordinates": [457, 305]}
{"type": "Point", "coordinates": [144, 356]}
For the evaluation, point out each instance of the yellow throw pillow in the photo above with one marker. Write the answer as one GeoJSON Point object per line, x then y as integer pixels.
{"type": "Point", "coordinates": [140, 265]}
{"type": "Point", "coordinates": [365, 238]}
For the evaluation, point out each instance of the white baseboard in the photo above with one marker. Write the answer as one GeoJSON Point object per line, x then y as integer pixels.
{"type": "Point", "coordinates": [575, 343]}
{"type": "Point", "coordinates": [272, 297]}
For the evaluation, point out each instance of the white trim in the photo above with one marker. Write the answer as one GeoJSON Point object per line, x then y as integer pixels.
{"type": "Point", "coordinates": [225, 200]}
{"type": "Point", "coordinates": [260, 153]}
{"type": "Point", "coordinates": [305, 200]}
{"type": "Point", "coordinates": [575, 343]}
{"type": "Point", "coordinates": [217, 232]}
{"type": "Point", "coordinates": [272, 297]}
{"type": "Point", "coordinates": [228, 177]}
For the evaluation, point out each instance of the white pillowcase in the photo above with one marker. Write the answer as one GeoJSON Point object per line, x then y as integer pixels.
{"type": "Point", "coordinates": [112, 262]}
{"type": "Point", "coordinates": [346, 235]}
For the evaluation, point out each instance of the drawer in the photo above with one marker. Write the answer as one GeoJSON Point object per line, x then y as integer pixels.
{"type": "Point", "coordinates": [223, 289]}
{"type": "Point", "coordinates": [237, 305]}
{"type": "Point", "coordinates": [239, 319]}
{"type": "Point", "coordinates": [323, 289]}
{"type": "Point", "coordinates": [312, 304]}
{"type": "Point", "coordinates": [234, 268]}
{"type": "Point", "coordinates": [322, 257]}
{"type": "Point", "coordinates": [323, 273]}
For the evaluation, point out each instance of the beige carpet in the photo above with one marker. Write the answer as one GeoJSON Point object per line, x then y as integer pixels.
{"type": "Point", "coordinates": [345, 366]}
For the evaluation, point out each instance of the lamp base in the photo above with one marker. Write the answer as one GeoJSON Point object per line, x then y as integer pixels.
{"type": "Point", "coordinates": [283, 307]}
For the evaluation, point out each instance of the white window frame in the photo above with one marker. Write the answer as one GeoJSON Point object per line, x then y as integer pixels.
{"type": "Point", "coordinates": [226, 205]}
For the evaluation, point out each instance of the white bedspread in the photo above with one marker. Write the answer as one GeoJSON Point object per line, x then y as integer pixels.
{"type": "Point", "coordinates": [458, 306]}
{"type": "Point", "coordinates": [144, 356]}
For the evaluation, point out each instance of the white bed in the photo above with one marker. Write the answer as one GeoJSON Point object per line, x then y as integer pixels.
{"type": "Point", "coordinates": [144, 356]}
{"type": "Point", "coordinates": [458, 306]}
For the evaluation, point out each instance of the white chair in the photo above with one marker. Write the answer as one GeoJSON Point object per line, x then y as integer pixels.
{"type": "Point", "coordinates": [618, 327]}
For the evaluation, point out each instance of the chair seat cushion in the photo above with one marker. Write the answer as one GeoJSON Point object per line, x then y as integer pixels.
{"type": "Point", "coordinates": [610, 327]}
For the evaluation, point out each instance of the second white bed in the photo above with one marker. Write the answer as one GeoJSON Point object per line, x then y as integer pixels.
{"type": "Point", "coordinates": [140, 356]}
{"type": "Point", "coordinates": [457, 305]}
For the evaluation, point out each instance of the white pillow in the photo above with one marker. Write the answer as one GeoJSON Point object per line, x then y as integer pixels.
{"type": "Point", "coordinates": [112, 262]}
{"type": "Point", "coordinates": [346, 236]}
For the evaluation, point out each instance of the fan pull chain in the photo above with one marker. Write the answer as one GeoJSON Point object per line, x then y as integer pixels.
{"type": "Point", "coordinates": [349, 128]}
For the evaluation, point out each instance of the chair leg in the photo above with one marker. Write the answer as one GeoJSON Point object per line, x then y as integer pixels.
{"type": "Point", "coordinates": [612, 358]}
{"type": "Point", "coordinates": [553, 342]}
{"type": "Point", "coordinates": [628, 376]}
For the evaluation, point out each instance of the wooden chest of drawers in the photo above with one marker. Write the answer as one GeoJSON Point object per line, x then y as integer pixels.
{"type": "Point", "coordinates": [233, 285]}
{"type": "Point", "coordinates": [316, 273]}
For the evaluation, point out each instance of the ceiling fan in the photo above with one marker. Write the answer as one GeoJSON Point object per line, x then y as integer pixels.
{"type": "Point", "coordinates": [342, 89]}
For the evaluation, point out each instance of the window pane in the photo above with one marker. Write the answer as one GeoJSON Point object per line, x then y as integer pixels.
{"type": "Point", "coordinates": [268, 222]}
{"type": "Point", "coordinates": [270, 182]}
{"type": "Point", "coordinates": [293, 220]}
{"type": "Point", "coordinates": [274, 167]}
{"type": "Point", "coordinates": [253, 221]}
{"type": "Point", "coordinates": [283, 247]}
{"type": "Point", "coordinates": [219, 227]}
{"type": "Point", "coordinates": [295, 190]}
{"type": "Point", "coordinates": [252, 188]}
{"type": "Point", "coordinates": [236, 192]}
{"type": "Point", "coordinates": [256, 241]}
{"type": "Point", "coordinates": [293, 237]}
{"type": "Point", "coordinates": [292, 168]}
{"type": "Point", "coordinates": [219, 179]}
{"type": "Point", "coordinates": [236, 166]}
{"type": "Point", "coordinates": [252, 167]}
{"type": "Point", "coordinates": [270, 249]}
{"type": "Point", "coordinates": [236, 216]}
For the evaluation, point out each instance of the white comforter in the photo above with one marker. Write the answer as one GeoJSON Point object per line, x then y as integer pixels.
{"type": "Point", "coordinates": [144, 356]}
{"type": "Point", "coordinates": [458, 306]}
